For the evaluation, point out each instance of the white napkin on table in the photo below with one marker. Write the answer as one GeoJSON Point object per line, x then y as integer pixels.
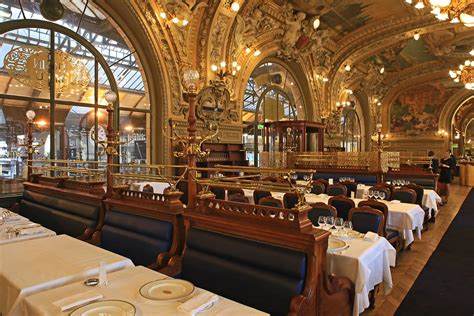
{"type": "Point", "coordinates": [371, 236]}
{"type": "Point", "coordinates": [395, 201]}
{"type": "Point", "coordinates": [198, 303]}
{"type": "Point", "coordinates": [78, 299]}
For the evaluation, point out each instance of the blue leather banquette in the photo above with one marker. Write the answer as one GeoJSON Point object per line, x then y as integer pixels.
{"type": "Point", "coordinates": [254, 273]}
{"type": "Point", "coordinates": [70, 214]}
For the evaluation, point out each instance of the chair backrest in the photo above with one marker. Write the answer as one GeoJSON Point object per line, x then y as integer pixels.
{"type": "Point", "coordinates": [321, 209]}
{"type": "Point", "coordinates": [324, 182]}
{"type": "Point", "coordinates": [254, 273]}
{"type": "Point", "coordinates": [183, 187]}
{"type": "Point", "coordinates": [342, 205]}
{"type": "Point", "coordinates": [218, 192]}
{"type": "Point", "coordinates": [138, 237]}
{"type": "Point", "coordinates": [337, 189]}
{"type": "Point", "coordinates": [419, 192]}
{"type": "Point", "coordinates": [270, 201]}
{"type": "Point", "coordinates": [382, 207]}
{"type": "Point", "coordinates": [258, 194]}
{"type": "Point", "coordinates": [365, 219]}
{"type": "Point", "coordinates": [405, 195]}
{"type": "Point", "coordinates": [238, 198]}
{"type": "Point", "coordinates": [351, 187]}
{"type": "Point", "coordinates": [290, 200]}
{"type": "Point", "coordinates": [233, 191]}
{"type": "Point", "coordinates": [318, 188]}
{"type": "Point", "coordinates": [383, 188]}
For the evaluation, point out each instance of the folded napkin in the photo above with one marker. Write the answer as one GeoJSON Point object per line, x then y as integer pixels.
{"type": "Point", "coordinates": [198, 303]}
{"type": "Point", "coordinates": [395, 201]}
{"type": "Point", "coordinates": [78, 299]}
{"type": "Point", "coordinates": [13, 219]}
{"type": "Point", "coordinates": [31, 231]}
{"type": "Point", "coordinates": [370, 236]}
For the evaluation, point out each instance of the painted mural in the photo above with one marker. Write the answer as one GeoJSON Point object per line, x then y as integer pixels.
{"type": "Point", "coordinates": [417, 109]}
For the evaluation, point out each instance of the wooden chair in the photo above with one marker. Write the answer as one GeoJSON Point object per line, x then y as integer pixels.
{"type": "Point", "coordinates": [324, 182]}
{"type": "Point", "coordinates": [270, 201]}
{"type": "Point", "coordinates": [405, 195]}
{"type": "Point", "coordinates": [321, 209]}
{"type": "Point", "coordinates": [258, 194]}
{"type": "Point", "coordinates": [382, 188]}
{"type": "Point", "coordinates": [218, 192]}
{"type": "Point", "coordinates": [239, 198]}
{"type": "Point", "coordinates": [365, 219]}
{"type": "Point", "coordinates": [342, 205]}
{"type": "Point", "coordinates": [318, 188]}
{"type": "Point", "coordinates": [392, 235]}
{"type": "Point", "coordinates": [388, 186]}
{"type": "Point", "coordinates": [290, 200]}
{"type": "Point", "coordinates": [233, 191]}
{"type": "Point", "coordinates": [419, 200]}
{"type": "Point", "coordinates": [351, 187]}
{"type": "Point", "coordinates": [336, 190]}
{"type": "Point", "coordinates": [271, 260]}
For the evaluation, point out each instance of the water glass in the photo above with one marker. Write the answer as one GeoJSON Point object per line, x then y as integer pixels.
{"type": "Point", "coordinates": [382, 195]}
{"type": "Point", "coordinates": [322, 222]}
{"type": "Point", "coordinates": [347, 226]}
{"type": "Point", "coordinates": [339, 223]}
{"type": "Point", "coordinates": [371, 193]}
{"type": "Point", "coordinates": [376, 195]}
{"type": "Point", "coordinates": [330, 222]}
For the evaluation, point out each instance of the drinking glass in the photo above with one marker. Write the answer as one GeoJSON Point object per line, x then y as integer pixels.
{"type": "Point", "coordinates": [371, 194]}
{"type": "Point", "coordinates": [330, 222]}
{"type": "Point", "coordinates": [382, 195]}
{"type": "Point", "coordinates": [322, 222]}
{"type": "Point", "coordinates": [2, 224]}
{"type": "Point", "coordinates": [347, 226]}
{"type": "Point", "coordinates": [376, 195]}
{"type": "Point", "coordinates": [339, 223]}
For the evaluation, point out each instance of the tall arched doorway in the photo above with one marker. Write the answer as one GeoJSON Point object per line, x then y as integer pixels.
{"type": "Point", "coordinates": [272, 94]}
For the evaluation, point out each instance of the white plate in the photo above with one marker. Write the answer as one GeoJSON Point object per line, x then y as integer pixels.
{"type": "Point", "coordinates": [102, 308]}
{"type": "Point", "coordinates": [167, 289]}
{"type": "Point", "coordinates": [335, 245]}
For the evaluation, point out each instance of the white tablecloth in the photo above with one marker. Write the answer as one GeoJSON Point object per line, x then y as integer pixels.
{"type": "Point", "coordinates": [430, 197]}
{"type": "Point", "coordinates": [36, 265]}
{"type": "Point", "coordinates": [403, 217]}
{"type": "Point", "coordinates": [16, 220]}
{"type": "Point", "coordinates": [125, 285]}
{"type": "Point", "coordinates": [367, 264]}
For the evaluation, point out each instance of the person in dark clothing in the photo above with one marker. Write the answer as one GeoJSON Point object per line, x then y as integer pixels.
{"type": "Point", "coordinates": [434, 162]}
{"type": "Point", "coordinates": [452, 164]}
{"type": "Point", "coordinates": [445, 177]}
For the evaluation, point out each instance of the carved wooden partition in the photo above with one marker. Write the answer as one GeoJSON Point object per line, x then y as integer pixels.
{"type": "Point", "coordinates": [289, 228]}
{"type": "Point", "coordinates": [167, 207]}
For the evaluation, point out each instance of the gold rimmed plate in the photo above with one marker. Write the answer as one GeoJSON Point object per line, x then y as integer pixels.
{"type": "Point", "coordinates": [167, 290]}
{"type": "Point", "coordinates": [335, 245]}
{"type": "Point", "coordinates": [107, 307]}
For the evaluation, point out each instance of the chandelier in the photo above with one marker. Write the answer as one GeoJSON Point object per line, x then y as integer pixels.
{"type": "Point", "coordinates": [454, 10]}
{"type": "Point", "coordinates": [464, 74]}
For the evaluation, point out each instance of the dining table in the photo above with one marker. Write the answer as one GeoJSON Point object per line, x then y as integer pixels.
{"type": "Point", "coordinates": [126, 286]}
{"type": "Point", "coordinates": [366, 263]}
{"type": "Point", "coordinates": [36, 265]}
{"type": "Point", "coordinates": [430, 200]}
{"type": "Point", "coordinates": [403, 217]}
{"type": "Point", "coordinates": [18, 228]}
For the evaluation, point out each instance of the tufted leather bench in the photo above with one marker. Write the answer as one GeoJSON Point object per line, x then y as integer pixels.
{"type": "Point", "coordinates": [60, 213]}
{"type": "Point", "coordinates": [138, 237]}
{"type": "Point", "coordinates": [254, 273]}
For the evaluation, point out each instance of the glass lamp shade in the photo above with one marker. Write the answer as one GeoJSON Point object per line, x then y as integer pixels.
{"type": "Point", "coordinates": [467, 16]}
{"type": "Point", "coordinates": [110, 97]}
{"type": "Point", "coordinates": [440, 3]}
{"type": "Point", "coordinates": [190, 79]}
{"type": "Point", "coordinates": [30, 115]}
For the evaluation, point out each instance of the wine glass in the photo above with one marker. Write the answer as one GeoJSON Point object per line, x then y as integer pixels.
{"type": "Point", "coordinates": [322, 222]}
{"type": "Point", "coordinates": [371, 193]}
{"type": "Point", "coordinates": [377, 194]}
{"type": "Point", "coordinates": [339, 223]}
{"type": "Point", "coordinates": [347, 226]}
{"type": "Point", "coordinates": [330, 222]}
{"type": "Point", "coordinates": [382, 195]}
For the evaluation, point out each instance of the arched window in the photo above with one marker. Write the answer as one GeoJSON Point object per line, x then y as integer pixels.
{"type": "Point", "coordinates": [351, 131]}
{"type": "Point", "coordinates": [272, 94]}
{"type": "Point", "coordinates": [90, 57]}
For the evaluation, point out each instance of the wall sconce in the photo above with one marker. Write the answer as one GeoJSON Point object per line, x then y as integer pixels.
{"type": "Point", "coordinates": [222, 70]}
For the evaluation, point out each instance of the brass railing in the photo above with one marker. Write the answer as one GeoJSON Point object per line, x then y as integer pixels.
{"type": "Point", "coordinates": [78, 170]}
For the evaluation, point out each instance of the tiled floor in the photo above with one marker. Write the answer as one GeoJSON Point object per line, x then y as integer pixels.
{"type": "Point", "coordinates": [411, 262]}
